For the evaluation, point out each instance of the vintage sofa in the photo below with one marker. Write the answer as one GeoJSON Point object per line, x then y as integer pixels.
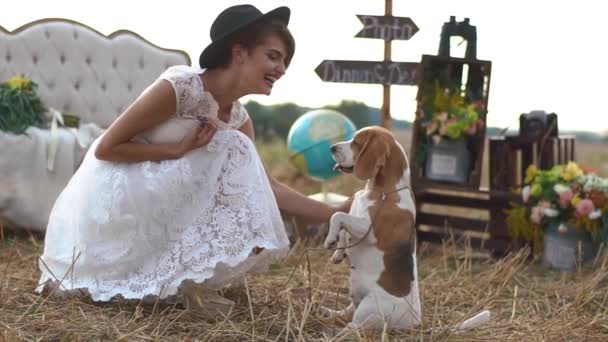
{"type": "Point", "coordinates": [79, 71]}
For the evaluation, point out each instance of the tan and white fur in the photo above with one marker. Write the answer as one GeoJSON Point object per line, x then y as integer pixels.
{"type": "Point", "coordinates": [379, 236]}
{"type": "Point", "coordinates": [384, 281]}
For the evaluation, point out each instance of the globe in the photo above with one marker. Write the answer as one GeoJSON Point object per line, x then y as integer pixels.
{"type": "Point", "coordinates": [310, 138]}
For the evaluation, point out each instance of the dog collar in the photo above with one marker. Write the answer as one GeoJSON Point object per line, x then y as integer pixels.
{"type": "Point", "coordinates": [386, 193]}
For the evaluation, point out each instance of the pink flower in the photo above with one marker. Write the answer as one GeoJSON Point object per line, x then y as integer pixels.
{"type": "Point", "coordinates": [420, 114]}
{"type": "Point", "coordinates": [480, 124]}
{"type": "Point", "coordinates": [479, 104]}
{"type": "Point", "coordinates": [562, 228]}
{"type": "Point", "coordinates": [472, 129]}
{"type": "Point", "coordinates": [443, 116]}
{"type": "Point", "coordinates": [565, 197]}
{"type": "Point", "coordinates": [537, 214]}
{"type": "Point", "coordinates": [431, 128]}
{"type": "Point", "coordinates": [544, 204]}
{"type": "Point", "coordinates": [585, 207]}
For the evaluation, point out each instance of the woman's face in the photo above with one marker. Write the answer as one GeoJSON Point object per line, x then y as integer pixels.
{"type": "Point", "coordinates": [264, 65]}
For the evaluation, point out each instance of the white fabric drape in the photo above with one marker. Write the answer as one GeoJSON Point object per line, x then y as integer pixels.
{"type": "Point", "coordinates": [28, 186]}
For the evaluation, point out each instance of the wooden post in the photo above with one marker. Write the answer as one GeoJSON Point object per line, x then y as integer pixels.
{"type": "Point", "coordinates": [386, 88]}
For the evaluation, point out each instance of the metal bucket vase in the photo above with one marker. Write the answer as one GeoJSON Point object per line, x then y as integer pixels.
{"type": "Point", "coordinates": [449, 161]}
{"type": "Point", "coordinates": [562, 251]}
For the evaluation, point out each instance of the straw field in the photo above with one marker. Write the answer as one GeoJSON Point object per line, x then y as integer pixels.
{"type": "Point", "coordinates": [527, 302]}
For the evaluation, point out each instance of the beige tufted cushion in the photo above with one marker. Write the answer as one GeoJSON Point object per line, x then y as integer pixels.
{"type": "Point", "coordinates": [79, 70]}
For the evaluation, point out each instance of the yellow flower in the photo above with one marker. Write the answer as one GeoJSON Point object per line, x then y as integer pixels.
{"type": "Point", "coordinates": [575, 200]}
{"type": "Point", "coordinates": [571, 171]}
{"type": "Point", "coordinates": [18, 81]}
{"type": "Point", "coordinates": [530, 173]}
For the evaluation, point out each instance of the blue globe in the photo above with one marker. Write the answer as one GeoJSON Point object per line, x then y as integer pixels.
{"type": "Point", "coordinates": [310, 138]}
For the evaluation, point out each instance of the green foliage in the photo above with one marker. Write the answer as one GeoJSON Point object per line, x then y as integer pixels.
{"type": "Point", "coordinates": [270, 122]}
{"type": "Point", "coordinates": [520, 226]}
{"type": "Point", "coordinates": [20, 106]}
{"type": "Point", "coordinates": [357, 112]}
{"type": "Point", "coordinates": [447, 113]}
{"type": "Point", "coordinates": [562, 196]}
{"type": "Point", "coordinates": [274, 121]}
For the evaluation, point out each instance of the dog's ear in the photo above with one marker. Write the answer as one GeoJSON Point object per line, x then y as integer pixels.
{"type": "Point", "coordinates": [371, 158]}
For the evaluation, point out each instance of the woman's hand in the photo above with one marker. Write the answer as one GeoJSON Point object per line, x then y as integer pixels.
{"type": "Point", "coordinates": [198, 137]}
{"type": "Point", "coordinates": [345, 206]}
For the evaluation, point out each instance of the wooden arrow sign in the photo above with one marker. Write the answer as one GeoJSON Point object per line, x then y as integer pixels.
{"type": "Point", "coordinates": [386, 27]}
{"type": "Point", "coordinates": [386, 73]}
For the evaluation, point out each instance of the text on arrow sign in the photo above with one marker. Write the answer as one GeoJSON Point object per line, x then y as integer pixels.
{"type": "Point", "coordinates": [403, 73]}
{"type": "Point", "coordinates": [386, 27]}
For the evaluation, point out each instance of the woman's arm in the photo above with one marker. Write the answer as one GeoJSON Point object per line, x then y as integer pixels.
{"type": "Point", "coordinates": [155, 105]}
{"type": "Point", "coordinates": [293, 202]}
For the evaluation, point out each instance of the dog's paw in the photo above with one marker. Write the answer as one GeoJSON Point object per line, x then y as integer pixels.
{"type": "Point", "coordinates": [327, 313]}
{"type": "Point", "coordinates": [330, 242]}
{"type": "Point", "coordinates": [338, 256]}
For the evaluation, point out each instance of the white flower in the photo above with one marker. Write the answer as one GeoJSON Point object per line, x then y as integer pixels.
{"type": "Point", "coordinates": [562, 228]}
{"type": "Point", "coordinates": [550, 212]}
{"type": "Point", "coordinates": [525, 193]}
{"type": "Point", "coordinates": [559, 188]}
{"type": "Point", "coordinates": [593, 182]}
{"type": "Point", "coordinates": [594, 215]}
{"type": "Point", "coordinates": [436, 139]}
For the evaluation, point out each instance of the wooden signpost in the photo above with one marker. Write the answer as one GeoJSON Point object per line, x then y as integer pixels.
{"type": "Point", "coordinates": [387, 27]}
{"type": "Point", "coordinates": [384, 72]}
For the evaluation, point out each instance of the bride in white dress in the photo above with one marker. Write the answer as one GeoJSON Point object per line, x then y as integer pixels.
{"type": "Point", "coordinates": [174, 192]}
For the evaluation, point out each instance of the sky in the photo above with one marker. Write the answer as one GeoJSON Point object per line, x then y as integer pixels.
{"type": "Point", "coordinates": [546, 55]}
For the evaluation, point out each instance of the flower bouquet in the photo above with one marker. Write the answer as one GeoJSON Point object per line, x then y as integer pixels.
{"type": "Point", "coordinates": [20, 106]}
{"type": "Point", "coordinates": [446, 119]}
{"type": "Point", "coordinates": [563, 203]}
{"type": "Point", "coordinates": [448, 115]}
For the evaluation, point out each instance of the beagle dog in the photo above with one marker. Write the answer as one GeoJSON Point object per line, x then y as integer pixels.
{"type": "Point", "coordinates": [378, 234]}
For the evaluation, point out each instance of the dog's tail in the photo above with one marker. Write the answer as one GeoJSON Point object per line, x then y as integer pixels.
{"type": "Point", "coordinates": [474, 322]}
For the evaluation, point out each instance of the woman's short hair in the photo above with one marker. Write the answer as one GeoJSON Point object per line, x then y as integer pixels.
{"type": "Point", "coordinates": [253, 36]}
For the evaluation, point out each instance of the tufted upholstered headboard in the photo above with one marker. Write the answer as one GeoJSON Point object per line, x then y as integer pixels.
{"type": "Point", "coordinates": [79, 70]}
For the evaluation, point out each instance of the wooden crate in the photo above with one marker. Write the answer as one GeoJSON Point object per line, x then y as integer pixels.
{"type": "Point", "coordinates": [448, 72]}
{"type": "Point", "coordinates": [509, 158]}
{"type": "Point", "coordinates": [464, 210]}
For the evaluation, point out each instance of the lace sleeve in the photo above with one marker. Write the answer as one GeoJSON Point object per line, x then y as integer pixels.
{"type": "Point", "coordinates": [241, 116]}
{"type": "Point", "coordinates": [184, 81]}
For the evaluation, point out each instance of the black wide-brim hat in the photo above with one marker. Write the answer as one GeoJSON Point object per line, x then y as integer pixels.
{"type": "Point", "coordinates": [232, 20]}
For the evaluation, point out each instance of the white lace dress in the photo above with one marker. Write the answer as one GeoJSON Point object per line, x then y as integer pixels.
{"type": "Point", "coordinates": [137, 229]}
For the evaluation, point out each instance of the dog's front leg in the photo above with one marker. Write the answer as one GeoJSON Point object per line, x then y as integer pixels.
{"type": "Point", "coordinates": [334, 229]}
{"type": "Point", "coordinates": [340, 252]}
{"type": "Point", "coordinates": [345, 315]}
{"type": "Point", "coordinates": [356, 226]}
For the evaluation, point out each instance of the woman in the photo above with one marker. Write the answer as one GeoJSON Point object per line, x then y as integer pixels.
{"type": "Point", "coordinates": [173, 195]}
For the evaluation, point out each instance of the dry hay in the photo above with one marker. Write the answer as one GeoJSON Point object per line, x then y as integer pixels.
{"type": "Point", "coordinates": [527, 302]}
